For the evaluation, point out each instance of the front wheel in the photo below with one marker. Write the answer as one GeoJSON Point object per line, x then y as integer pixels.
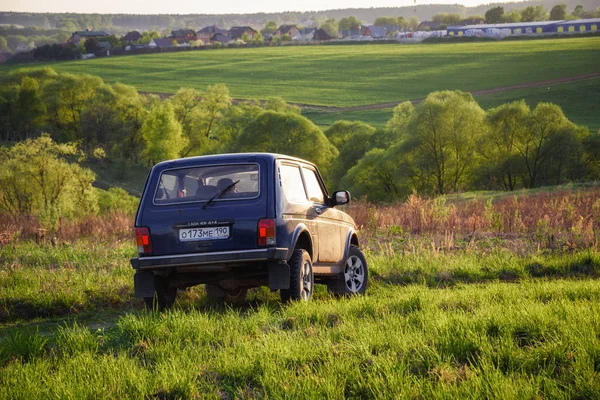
{"type": "Point", "coordinates": [301, 277]}
{"type": "Point", "coordinates": [355, 276]}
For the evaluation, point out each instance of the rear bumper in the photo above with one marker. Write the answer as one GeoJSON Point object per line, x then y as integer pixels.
{"type": "Point", "coordinates": [222, 257]}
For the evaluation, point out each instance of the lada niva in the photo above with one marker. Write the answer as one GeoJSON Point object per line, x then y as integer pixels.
{"type": "Point", "coordinates": [238, 221]}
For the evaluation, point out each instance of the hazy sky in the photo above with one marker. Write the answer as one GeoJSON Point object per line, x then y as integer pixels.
{"type": "Point", "coordinates": [205, 6]}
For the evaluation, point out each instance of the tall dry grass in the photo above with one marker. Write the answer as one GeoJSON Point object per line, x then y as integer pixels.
{"type": "Point", "coordinates": [557, 219]}
{"type": "Point", "coordinates": [111, 226]}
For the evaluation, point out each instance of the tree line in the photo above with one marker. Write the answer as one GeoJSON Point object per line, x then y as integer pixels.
{"type": "Point", "coordinates": [446, 144]}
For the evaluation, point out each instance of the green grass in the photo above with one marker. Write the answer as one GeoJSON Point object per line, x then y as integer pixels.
{"type": "Point", "coordinates": [349, 75]}
{"type": "Point", "coordinates": [580, 101]}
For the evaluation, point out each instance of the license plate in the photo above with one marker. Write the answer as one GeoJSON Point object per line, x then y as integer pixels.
{"type": "Point", "coordinates": [213, 233]}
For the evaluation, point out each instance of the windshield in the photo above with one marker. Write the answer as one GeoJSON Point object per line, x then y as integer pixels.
{"type": "Point", "coordinates": [203, 183]}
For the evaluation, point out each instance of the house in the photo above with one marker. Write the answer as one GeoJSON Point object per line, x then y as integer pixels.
{"type": "Point", "coordinates": [205, 34]}
{"type": "Point", "coordinates": [391, 29]}
{"type": "Point", "coordinates": [184, 34]}
{"type": "Point", "coordinates": [77, 36]}
{"type": "Point", "coordinates": [220, 37]}
{"type": "Point", "coordinates": [429, 26]}
{"type": "Point", "coordinates": [237, 32]}
{"type": "Point", "coordinates": [131, 37]}
{"type": "Point", "coordinates": [321, 36]}
{"type": "Point", "coordinates": [516, 28]}
{"type": "Point", "coordinates": [578, 26]}
{"type": "Point", "coordinates": [162, 43]}
{"type": "Point", "coordinates": [290, 30]}
{"type": "Point", "coordinates": [473, 21]}
{"type": "Point", "coordinates": [376, 32]}
{"type": "Point", "coordinates": [104, 45]}
{"type": "Point", "coordinates": [21, 48]}
{"type": "Point", "coordinates": [306, 34]}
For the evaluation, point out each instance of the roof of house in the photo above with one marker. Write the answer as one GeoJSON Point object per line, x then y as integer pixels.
{"type": "Point", "coordinates": [163, 42]}
{"type": "Point", "coordinates": [132, 36]}
{"type": "Point", "coordinates": [283, 29]}
{"type": "Point", "coordinates": [104, 45]}
{"type": "Point", "coordinates": [212, 29]}
{"type": "Point", "coordinates": [237, 31]}
{"type": "Point", "coordinates": [502, 26]}
{"type": "Point", "coordinates": [220, 37]}
{"type": "Point", "coordinates": [90, 33]}
{"type": "Point", "coordinates": [320, 34]}
{"type": "Point", "coordinates": [580, 21]}
{"type": "Point", "coordinates": [429, 24]}
{"type": "Point", "coordinates": [377, 31]}
{"type": "Point", "coordinates": [182, 33]}
{"type": "Point", "coordinates": [306, 31]}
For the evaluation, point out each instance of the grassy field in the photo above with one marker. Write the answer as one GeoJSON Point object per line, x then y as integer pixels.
{"type": "Point", "coordinates": [349, 75]}
{"type": "Point", "coordinates": [470, 297]}
{"type": "Point", "coordinates": [580, 101]}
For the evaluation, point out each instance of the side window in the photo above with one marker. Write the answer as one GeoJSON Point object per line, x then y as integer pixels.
{"type": "Point", "coordinates": [315, 193]}
{"type": "Point", "coordinates": [292, 183]}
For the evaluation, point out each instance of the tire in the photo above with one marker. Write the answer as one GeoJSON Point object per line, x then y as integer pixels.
{"type": "Point", "coordinates": [302, 281]}
{"type": "Point", "coordinates": [355, 277]}
{"type": "Point", "coordinates": [164, 296]}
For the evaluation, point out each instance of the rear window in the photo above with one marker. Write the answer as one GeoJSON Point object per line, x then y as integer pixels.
{"type": "Point", "coordinates": [186, 185]}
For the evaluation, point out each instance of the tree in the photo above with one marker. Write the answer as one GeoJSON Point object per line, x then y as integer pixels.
{"type": "Point", "coordinates": [539, 140]}
{"type": "Point", "coordinates": [374, 176]}
{"type": "Point", "coordinates": [498, 146]}
{"type": "Point", "coordinates": [398, 124]}
{"type": "Point", "coordinates": [558, 12]}
{"type": "Point", "coordinates": [37, 180]}
{"type": "Point", "coordinates": [246, 37]}
{"type": "Point", "coordinates": [3, 44]}
{"type": "Point", "coordinates": [258, 39]}
{"type": "Point", "coordinates": [412, 23]}
{"type": "Point", "coordinates": [578, 11]}
{"type": "Point", "coordinates": [349, 23]}
{"type": "Point", "coordinates": [204, 120]}
{"type": "Point", "coordinates": [30, 107]}
{"type": "Point", "coordinates": [270, 27]}
{"type": "Point", "coordinates": [531, 14]}
{"type": "Point", "coordinates": [162, 133]}
{"type": "Point", "coordinates": [278, 104]}
{"type": "Point", "coordinates": [447, 19]}
{"type": "Point", "coordinates": [381, 21]}
{"type": "Point", "coordinates": [288, 133]}
{"type": "Point", "coordinates": [511, 16]}
{"type": "Point", "coordinates": [442, 141]}
{"type": "Point", "coordinates": [353, 140]}
{"type": "Point", "coordinates": [331, 27]}
{"type": "Point", "coordinates": [494, 15]}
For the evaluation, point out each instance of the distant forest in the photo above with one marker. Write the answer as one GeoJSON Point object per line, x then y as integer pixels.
{"type": "Point", "coordinates": [119, 23]}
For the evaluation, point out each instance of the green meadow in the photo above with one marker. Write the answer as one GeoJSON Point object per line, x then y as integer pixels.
{"type": "Point", "coordinates": [351, 75]}
{"type": "Point", "coordinates": [474, 325]}
{"type": "Point", "coordinates": [580, 101]}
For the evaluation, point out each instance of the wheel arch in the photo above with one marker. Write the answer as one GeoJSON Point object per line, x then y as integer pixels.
{"type": "Point", "coordinates": [301, 240]}
{"type": "Point", "coordinates": [351, 240]}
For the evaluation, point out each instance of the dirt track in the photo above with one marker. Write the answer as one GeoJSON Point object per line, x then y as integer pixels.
{"type": "Point", "coordinates": [474, 93]}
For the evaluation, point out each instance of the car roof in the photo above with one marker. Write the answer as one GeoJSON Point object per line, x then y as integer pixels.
{"type": "Point", "coordinates": [235, 157]}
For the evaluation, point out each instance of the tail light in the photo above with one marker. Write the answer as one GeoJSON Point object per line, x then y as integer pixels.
{"type": "Point", "coordinates": [266, 232]}
{"type": "Point", "coordinates": [142, 236]}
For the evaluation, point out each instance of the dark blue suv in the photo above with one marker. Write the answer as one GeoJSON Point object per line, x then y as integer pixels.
{"type": "Point", "coordinates": [237, 221]}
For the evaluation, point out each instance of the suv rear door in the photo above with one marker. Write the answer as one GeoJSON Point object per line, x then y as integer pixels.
{"type": "Point", "coordinates": [182, 218]}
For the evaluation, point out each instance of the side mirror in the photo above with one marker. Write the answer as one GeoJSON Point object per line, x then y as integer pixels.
{"type": "Point", "coordinates": [341, 197]}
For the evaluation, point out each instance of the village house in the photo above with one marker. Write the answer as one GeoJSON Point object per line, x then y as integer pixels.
{"type": "Point", "coordinates": [220, 37]}
{"type": "Point", "coordinates": [163, 43]}
{"type": "Point", "coordinates": [321, 36]}
{"type": "Point", "coordinates": [184, 34]}
{"type": "Point", "coordinates": [77, 36]}
{"type": "Point", "coordinates": [237, 32]}
{"type": "Point", "coordinates": [290, 30]}
{"type": "Point", "coordinates": [131, 37]}
{"type": "Point", "coordinates": [205, 34]}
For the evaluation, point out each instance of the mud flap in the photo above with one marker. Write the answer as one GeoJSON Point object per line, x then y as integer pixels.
{"type": "Point", "coordinates": [143, 283]}
{"type": "Point", "coordinates": [279, 276]}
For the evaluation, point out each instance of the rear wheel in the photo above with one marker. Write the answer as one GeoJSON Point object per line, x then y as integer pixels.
{"type": "Point", "coordinates": [355, 276]}
{"type": "Point", "coordinates": [164, 296]}
{"type": "Point", "coordinates": [301, 277]}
